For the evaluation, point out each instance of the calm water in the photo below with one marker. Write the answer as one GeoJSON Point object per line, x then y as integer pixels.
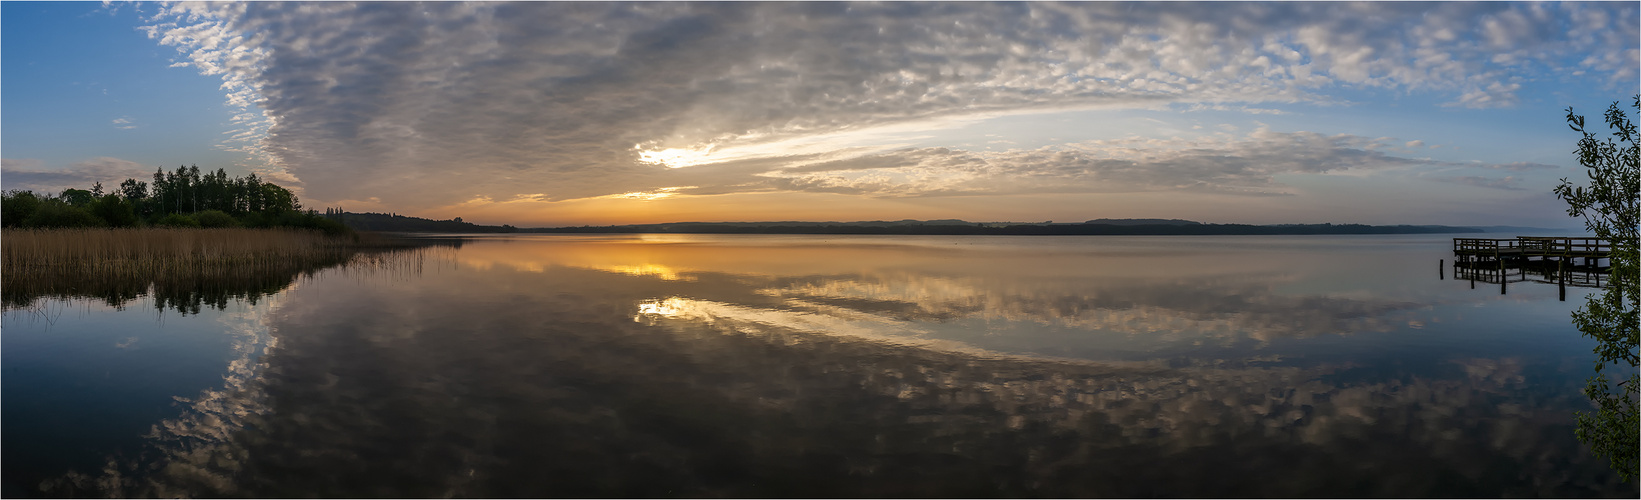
{"type": "Point", "coordinates": [884, 366]}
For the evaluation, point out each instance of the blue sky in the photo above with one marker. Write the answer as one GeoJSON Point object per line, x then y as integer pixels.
{"type": "Point", "coordinates": [552, 113]}
{"type": "Point", "coordinates": [71, 69]}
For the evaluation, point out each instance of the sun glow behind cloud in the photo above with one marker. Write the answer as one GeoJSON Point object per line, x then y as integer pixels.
{"type": "Point", "coordinates": [666, 192]}
{"type": "Point", "coordinates": [675, 157]}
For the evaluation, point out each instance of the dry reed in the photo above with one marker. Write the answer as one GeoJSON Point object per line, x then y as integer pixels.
{"type": "Point", "coordinates": [116, 264]}
{"type": "Point", "coordinates": [158, 250]}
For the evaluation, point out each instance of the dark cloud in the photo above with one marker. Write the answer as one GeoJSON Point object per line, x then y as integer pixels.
{"type": "Point", "coordinates": [436, 103]}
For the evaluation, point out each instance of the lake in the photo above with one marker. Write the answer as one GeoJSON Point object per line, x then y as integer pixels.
{"type": "Point", "coordinates": [831, 366]}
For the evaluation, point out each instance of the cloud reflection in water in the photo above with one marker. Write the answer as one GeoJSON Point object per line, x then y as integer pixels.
{"type": "Point", "coordinates": [844, 377]}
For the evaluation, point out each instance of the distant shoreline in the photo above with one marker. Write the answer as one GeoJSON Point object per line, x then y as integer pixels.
{"type": "Point", "coordinates": [1011, 230]}
{"type": "Point", "coordinates": [941, 227]}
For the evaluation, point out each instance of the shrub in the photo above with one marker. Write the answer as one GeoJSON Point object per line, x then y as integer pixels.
{"type": "Point", "coordinates": [215, 218]}
{"type": "Point", "coordinates": [54, 213]}
{"type": "Point", "coordinates": [177, 220]}
{"type": "Point", "coordinates": [254, 219]}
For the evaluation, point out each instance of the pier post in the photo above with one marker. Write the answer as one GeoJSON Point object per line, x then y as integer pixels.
{"type": "Point", "coordinates": [1441, 269]}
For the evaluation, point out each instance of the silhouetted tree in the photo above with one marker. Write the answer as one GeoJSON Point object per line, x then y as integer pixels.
{"type": "Point", "coordinates": [1609, 209]}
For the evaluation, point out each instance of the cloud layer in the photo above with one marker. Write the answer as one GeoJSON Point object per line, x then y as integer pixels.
{"type": "Point", "coordinates": [1219, 164]}
{"type": "Point", "coordinates": [432, 104]}
{"type": "Point", "coordinates": [30, 175]}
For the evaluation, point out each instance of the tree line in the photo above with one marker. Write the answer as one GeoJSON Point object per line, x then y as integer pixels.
{"type": "Point", "coordinates": [392, 222]}
{"type": "Point", "coordinates": [180, 198]}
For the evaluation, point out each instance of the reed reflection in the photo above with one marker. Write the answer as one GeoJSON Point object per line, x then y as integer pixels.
{"type": "Point", "coordinates": [191, 289]}
{"type": "Point", "coordinates": [546, 369]}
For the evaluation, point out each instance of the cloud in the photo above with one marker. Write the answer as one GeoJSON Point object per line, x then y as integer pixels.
{"type": "Point", "coordinates": [431, 104]}
{"type": "Point", "coordinates": [1519, 166]}
{"type": "Point", "coordinates": [123, 123]}
{"type": "Point", "coordinates": [1509, 183]}
{"type": "Point", "coordinates": [30, 174]}
{"type": "Point", "coordinates": [1164, 310]}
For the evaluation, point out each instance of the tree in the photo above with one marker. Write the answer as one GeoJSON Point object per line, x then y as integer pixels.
{"type": "Point", "coordinates": [77, 197]}
{"type": "Point", "coordinates": [114, 210]}
{"type": "Point", "coordinates": [1609, 209]}
{"type": "Point", "coordinates": [135, 192]}
{"type": "Point", "coordinates": [276, 199]}
{"type": "Point", "coordinates": [133, 189]}
{"type": "Point", "coordinates": [16, 206]}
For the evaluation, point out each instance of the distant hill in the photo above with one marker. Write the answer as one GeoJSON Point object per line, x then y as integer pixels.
{"type": "Point", "coordinates": [1526, 231]}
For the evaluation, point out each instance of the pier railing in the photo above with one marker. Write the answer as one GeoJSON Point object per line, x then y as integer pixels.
{"type": "Point", "coordinates": [1566, 247]}
{"type": "Point", "coordinates": [1564, 261]}
{"type": "Point", "coordinates": [1486, 246]}
{"type": "Point", "coordinates": [1533, 246]}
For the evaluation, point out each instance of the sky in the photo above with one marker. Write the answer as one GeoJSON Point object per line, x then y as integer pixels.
{"type": "Point", "coordinates": [549, 113]}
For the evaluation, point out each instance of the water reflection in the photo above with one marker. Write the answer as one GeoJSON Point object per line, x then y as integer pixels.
{"type": "Point", "coordinates": [769, 367]}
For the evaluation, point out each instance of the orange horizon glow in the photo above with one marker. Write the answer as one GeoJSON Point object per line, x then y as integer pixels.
{"type": "Point", "coordinates": [825, 207]}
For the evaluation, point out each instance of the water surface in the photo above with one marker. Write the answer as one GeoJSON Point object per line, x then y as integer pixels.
{"type": "Point", "coordinates": [884, 366]}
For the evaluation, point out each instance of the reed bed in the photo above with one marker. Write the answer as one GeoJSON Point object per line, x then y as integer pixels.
{"type": "Point", "coordinates": [119, 264]}
{"type": "Point", "coordinates": [152, 251]}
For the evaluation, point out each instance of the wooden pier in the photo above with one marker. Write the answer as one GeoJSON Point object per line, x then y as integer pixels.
{"type": "Point", "coordinates": [1575, 262]}
{"type": "Point", "coordinates": [1527, 247]}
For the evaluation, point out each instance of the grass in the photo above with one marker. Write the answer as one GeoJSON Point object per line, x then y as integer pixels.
{"type": "Point", "coordinates": [118, 265]}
